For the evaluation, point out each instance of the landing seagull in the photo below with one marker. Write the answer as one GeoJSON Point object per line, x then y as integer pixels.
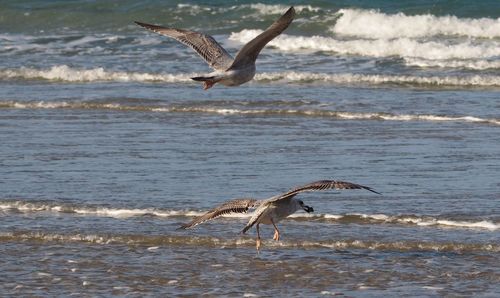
{"type": "Point", "coordinates": [274, 209]}
{"type": "Point", "coordinates": [228, 71]}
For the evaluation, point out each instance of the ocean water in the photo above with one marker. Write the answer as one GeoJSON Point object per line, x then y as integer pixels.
{"type": "Point", "coordinates": [107, 146]}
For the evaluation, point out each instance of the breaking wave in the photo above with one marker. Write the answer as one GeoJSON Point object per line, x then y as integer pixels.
{"type": "Point", "coordinates": [402, 47]}
{"type": "Point", "coordinates": [375, 24]}
{"type": "Point", "coordinates": [279, 8]}
{"type": "Point", "coordinates": [52, 207]}
{"type": "Point", "coordinates": [31, 207]}
{"type": "Point", "coordinates": [156, 242]}
{"type": "Point", "coordinates": [468, 43]}
{"type": "Point", "coordinates": [64, 73]}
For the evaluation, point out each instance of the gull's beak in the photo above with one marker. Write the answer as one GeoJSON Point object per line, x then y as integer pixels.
{"type": "Point", "coordinates": [308, 209]}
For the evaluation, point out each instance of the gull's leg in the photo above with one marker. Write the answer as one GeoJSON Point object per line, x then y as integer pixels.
{"type": "Point", "coordinates": [258, 238]}
{"type": "Point", "coordinates": [276, 232]}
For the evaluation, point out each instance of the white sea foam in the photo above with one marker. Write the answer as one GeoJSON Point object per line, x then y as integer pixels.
{"type": "Point", "coordinates": [333, 216]}
{"type": "Point", "coordinates": [30, 207]}
{"type": "Point", "coordinates": [465, 64]}
{"type": "Point", "coordinates": [481, 224]}
{"type": "Point", "coordinates": [260, 8]}
{"type": "Point", "coordinates": [460, 224]}
{"type": "Point", "coordinates": [68, 74]}
{"type": "Point", "coordinates": [375, 116]}
{"type": "Point", "coordinates": [350, 115]}
{"type": "Point", "coordinates": [193, 9]}
{"type": "Point", "coordinates": [403, 47]}
{"type": "Point", "coordinates": [374, 24]}
{"type": "Point", "coordinates": [380, 217]}
{"type": "Point", "coordinates": [124, 213]}
{"type": "Point", "coordinates": [41, 105]}
{"type": "Point", "coordinates": [349, 78]}
{"type": "Point", "coordinates": [280, 9]}
{"type": "Point", "coordinates": [428, 221]}
{"type": "Point", "coordinates": [420, 221]}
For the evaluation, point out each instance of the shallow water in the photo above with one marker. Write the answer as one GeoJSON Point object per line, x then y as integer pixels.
{"type": "Point", "coordinates": [107, 146]}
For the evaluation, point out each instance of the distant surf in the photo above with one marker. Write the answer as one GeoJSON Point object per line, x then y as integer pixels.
{"type": "Point", "coordinates": [375, 24]}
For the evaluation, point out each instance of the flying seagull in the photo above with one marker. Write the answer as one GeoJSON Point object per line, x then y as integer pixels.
{"type": "Point", "coordinates": [227, 71]}
{"type": "Point", "coordinates": [274, 209]}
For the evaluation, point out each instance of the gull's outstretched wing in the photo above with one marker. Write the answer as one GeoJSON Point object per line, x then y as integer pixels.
{"type": "Point", "coordinates": [211, 51]}
{"type": "Point", "coordinates": [249, 52]}
{"type": "Point", "coordinates": [313, 186]}
{"type": "Point", "coordinates": [232, 206]}
{"type": "Point", "coordinates": [320, 185]}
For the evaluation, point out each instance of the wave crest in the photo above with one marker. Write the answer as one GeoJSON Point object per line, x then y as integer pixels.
{"type": "Point", "coordinates": [374, 24]}
{"type": "Point", "coordinates": [52, 207]}
{"type": "Point", "coordinates": [67, 74]}
{"type": "Point", "coordinates": [402, 47]}
{"type": "Point", "coordinates": [64, 73]}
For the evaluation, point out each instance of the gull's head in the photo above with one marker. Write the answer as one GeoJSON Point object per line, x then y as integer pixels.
{"type": "Point", "coordinates": [306, 208]}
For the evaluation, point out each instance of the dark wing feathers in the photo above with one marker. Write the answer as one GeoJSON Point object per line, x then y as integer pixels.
{"type": "Point", "coordinates": [233, 206]}
{"type": "Point", "coordinates": [251, 50]}
{"type": "Point", "coordinates": [322, 185]}
{"type": "Point", "coordinates": [211, 51]}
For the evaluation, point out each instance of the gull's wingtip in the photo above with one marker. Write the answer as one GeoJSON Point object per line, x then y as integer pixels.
{"type": "Point", "coordinates": [372, 190]}
{"type": "Point", "coordinates": [245, 229]}
{"type": "Point", "coordinates": [145, 25]}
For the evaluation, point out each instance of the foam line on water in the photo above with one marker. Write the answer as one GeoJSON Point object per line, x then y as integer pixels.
{"type": "Point", "coordinates": [272, 112]}
{"type": "Point", "coordinates": [52, 207]}
{"type": "Point", "coordinates": [64, 73]}
{"type": "Point", "coordinates": [261, 9]}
